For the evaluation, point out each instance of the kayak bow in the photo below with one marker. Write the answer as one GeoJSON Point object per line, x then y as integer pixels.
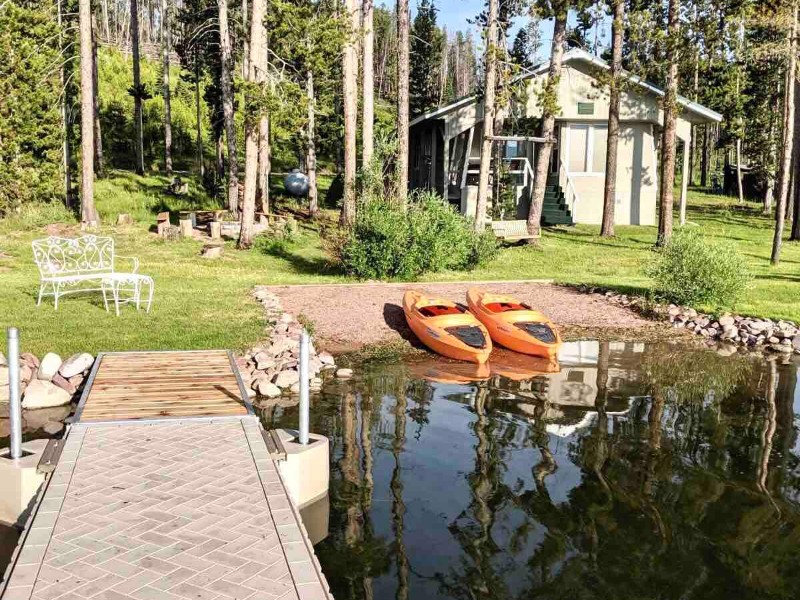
{"type": "Point", "coordinates": [446, 327]}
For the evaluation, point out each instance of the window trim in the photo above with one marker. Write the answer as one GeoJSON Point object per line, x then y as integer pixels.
{"type": "Point", "coordinates": [589, 156]}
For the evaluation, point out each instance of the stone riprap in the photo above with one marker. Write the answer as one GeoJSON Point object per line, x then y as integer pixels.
{"type": "Point", "coordinates": [45, 384]}
{"type": "Point", "coordinates": [748, 332]}
{"type": "Point", "coordinates": [271, 369]}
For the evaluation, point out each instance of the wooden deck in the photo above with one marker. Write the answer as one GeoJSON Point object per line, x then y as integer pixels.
{"type": "Point", "coordinates": [156, 385]}
{"type": "Point", "coordinates": [165, 490]}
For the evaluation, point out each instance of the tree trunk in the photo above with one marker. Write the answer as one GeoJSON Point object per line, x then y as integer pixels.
{"type": "Point", "coordinates": [668, 141]}
{"type": "Point", "coordinates": [99, 165]}
{"type": "Point", "coordinates": [311, 149]}
{"type": "Point", "coordinates": [138, 127]}
{"type": "Point", "coordinates": [255, 74]}
{"type": "Point", "coordinates": [548, 121]}
{"type": "Point", "coordinates": [227, 106]}
{"type": "Point", "coordinates": [88, 211]}
{"type": "Point", "coordinates": [199, 119]}
{"type": "Point", "coordinates": [165, 48]}
{"type": "Point", "coordinates": [489, 88]}
{"type": "Point", "coordinates": [350, 89]}
{"type": "Point", "coordinates": [66, 146]}
{"type": "Point", "coordinates": [704, 159]}
{"type": "Point", "coordinates": [368, 86]}
{"type": "Point", "coordinates": [793, 205]}
{"type": "Point", "coordinates": [739, 186]}
{"type": "Point", "coordinates": [220, 155]}
{"type": "Point", "coordinates": [403, 58]}
{"type": "Point", "coordinates": [264, 162]}
{"type": "Point", "coordinates": [788, 142]}
{"type": "Point", "coordinates": [610, 191]}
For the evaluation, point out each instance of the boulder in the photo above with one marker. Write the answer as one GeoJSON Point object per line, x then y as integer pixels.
{"type": "Point", "coordinates": [286, 378]}
{"type": "Point", "coordinates": [29, 359]}
{"type": "Point", "coordinates": [53, 427]}
{"type": "Point", "coordinates": [729, 332]}
{"type": "Point", "coordinates": [76, 364]}
{"type": "Point", "coordinates": [76, 380]}
{"type": "Point", "coordinates": [326, 358]}
{"type": "Point", "coordinates": [43, 394]}
{"type": "Point", "coordinates": [344, 373]}
{"type": "Point", "coordinates": [48, 368]}
{"type": "Point", "coordinates": [26, 373]}
{"type": "Point", "coordinates": [726, 320]}
{"type": "Point", "coordinates": [268, 389]}
{"type": "Point", "coordinates": [295, 388]}
{"type": "Point", "coordinates": [37, 419]}
{"type": "Point", "coordinates": [796, 343]}
{"type": "Point", "coordinates": [3, 375]}
{"type": "Point", "coordinates": [64, 384]}
{"type": "Point", "coordinates": [264, 361]}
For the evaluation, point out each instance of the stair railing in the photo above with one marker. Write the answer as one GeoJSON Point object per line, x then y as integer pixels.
{"type": "Point", "coordinates": [570, 195]}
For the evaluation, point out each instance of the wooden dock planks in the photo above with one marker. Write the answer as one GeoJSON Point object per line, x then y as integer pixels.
{"type": "Point", "coordinates": [156, 385]}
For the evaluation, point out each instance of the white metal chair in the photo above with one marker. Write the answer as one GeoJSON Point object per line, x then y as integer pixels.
{"type": "Point", "coordinates": [74, 265]}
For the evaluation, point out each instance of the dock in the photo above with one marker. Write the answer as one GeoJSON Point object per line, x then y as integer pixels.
{"type": "Point", "coordinates": [165, 489]}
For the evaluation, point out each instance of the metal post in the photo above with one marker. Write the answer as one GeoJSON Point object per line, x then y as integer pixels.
{"type": "Point", "coordinates": [14, 409]}
{"type": "Point", "coordinates": [304, 380]}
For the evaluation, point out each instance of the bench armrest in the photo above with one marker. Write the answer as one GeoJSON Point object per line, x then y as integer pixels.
{"type": "Point", "coordinates": [133, 260]}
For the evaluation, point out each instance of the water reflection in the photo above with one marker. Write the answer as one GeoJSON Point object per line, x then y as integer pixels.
{"type": "Point", "coordinates": [631, 472]}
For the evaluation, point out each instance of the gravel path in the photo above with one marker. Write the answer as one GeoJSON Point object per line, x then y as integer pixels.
{"type": "Point", "coordinates": [347, 317]}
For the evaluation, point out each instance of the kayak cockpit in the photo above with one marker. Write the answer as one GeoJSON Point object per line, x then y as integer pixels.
{"type": "Point", "coordinates": [437, 310]}
{"type": "Point", "coordinates": [471, 335]}
{"type": "Point", "coordinates": [501, 307]}
{"type": "Point", "coordinates": [541, 331]}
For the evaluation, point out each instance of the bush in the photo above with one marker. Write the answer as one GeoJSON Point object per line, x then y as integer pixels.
{"type": "Point", "coordinates": [388, 242]}
{"type": "Point", "coordinates": [690, 269]}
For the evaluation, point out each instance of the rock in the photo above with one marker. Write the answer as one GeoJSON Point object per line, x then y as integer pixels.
{"type": "Point", "coordinates": [3, 361]}
{"type": "Point", "coordinates": [29, 359]}
{"type": "Point", "coordinates": [26, 373]}
{"type": "Point", "coordinates": [726, 320]}
{"type": "Point", "coordinates": [315, 383]}
{"type": "Point", "coordinates": [796, 343]}
{"type": "Point", "coordinates": [264, 361]}
{"type": "Point", "coordinates": [48, 368]}
{"type": "Point", "coordinates": [76, 381]}
{"type": "Point", "coordinates": [76, 364]}
{"type": "Point", "coordinates": [326, 358]}
{"type": "Point", "coordinates": [37, 419]}
{"type": "Point", "coordinates": [3, 375]}
{"type": "Point", "coordinates": [726, 349]}
{"type": "Point", "coordinates": [251, 393]}
{"type": "Point", "coordinates": [758, 326]}
{"type": "Point", "coordinates": [65, 384]}
{"type": "Point", "coordinates": [268, 389]}
{"type": "Point", "coordinates": [53, 427]}
{"type": "Point", "coordinates": [43, 394]}
{"type": "Point", "coordinates": [344, 373]}
{"type": "Point", "coordinates": [295, 388]}
{"type": "Point", "coordinates": [124, 219]}
{"type": "Point", "coordinates": [286, 378]}
{"type": "Point", "coordinates": [773, 340]}
{"type": "Point", "coordinates": [729, 332]}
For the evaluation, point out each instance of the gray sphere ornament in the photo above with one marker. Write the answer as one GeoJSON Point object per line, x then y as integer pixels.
{"type": "Point", "coordinates": [296, 183]}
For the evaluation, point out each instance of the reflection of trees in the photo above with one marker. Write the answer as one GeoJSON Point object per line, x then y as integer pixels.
{"type": "Point", "coordinates": [671, 500]}
{"type": "Point", "coordinates": [398, 506]}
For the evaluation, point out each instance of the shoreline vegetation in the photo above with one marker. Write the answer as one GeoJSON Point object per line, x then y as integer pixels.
{"type": "Point", "coordinates": [207, 303]}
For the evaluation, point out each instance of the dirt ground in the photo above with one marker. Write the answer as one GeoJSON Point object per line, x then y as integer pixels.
{"type": "Point", "coordinates": [349, 317]}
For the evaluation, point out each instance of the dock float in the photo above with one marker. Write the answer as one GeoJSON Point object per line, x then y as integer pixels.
{"type": "Point", "coordinates": [165, 491]}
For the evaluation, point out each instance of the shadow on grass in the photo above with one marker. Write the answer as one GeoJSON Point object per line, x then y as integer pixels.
{"type": "Point", "coordinates": [300, 264]}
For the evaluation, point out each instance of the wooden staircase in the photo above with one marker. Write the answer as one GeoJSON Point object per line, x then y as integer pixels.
{"type": "Point", "coordinates": [555, 210]}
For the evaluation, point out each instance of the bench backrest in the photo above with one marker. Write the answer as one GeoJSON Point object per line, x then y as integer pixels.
{"type": "Point", "coordinates": [57, 256]}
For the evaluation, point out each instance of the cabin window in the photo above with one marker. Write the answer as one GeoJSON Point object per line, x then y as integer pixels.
{"type": "Point", "coordinates": [585, 108]}
{"type": "Point", "coordinates": [586, 149]}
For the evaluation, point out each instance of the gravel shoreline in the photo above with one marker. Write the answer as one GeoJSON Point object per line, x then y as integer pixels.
{"type": "Point", "coordinates": [347, 317]}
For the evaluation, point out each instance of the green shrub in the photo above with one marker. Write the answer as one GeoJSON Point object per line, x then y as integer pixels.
{"type": "Point", "coordinates": [429, 235]}
{"type": "Point", "coordinates": [690, 269]}
{"type": "Point", "coordinates": [35, 215]}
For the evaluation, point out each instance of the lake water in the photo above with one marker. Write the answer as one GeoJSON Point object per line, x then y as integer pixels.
{"type": "Point", "coordinates": [628, 471]}
{"type": "Point", "coordinates": [635, 472]}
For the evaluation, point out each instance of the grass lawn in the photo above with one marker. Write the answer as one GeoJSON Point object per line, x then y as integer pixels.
{"type": "Point", "coordinates": [203, 304]}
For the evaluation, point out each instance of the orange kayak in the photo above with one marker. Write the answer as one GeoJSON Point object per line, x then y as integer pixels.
{"type": "Point", "coordinates": [513, 324]}
{"type": "Point", "coordinates": [446, 327]}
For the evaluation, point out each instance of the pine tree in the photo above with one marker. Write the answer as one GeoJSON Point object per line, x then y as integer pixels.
{"type": "Point", "coordinates": [427, 46]}
{"type": "Point", "coordinates": [610, 187]}
{"type": "Point", "coordinates": [487, 141]}
{"type": "Point", "coordinates": [368, 84]}
{"type": "Point", "coordinates": [88, 212]}
{"type": "Point", "coordinates": [166, 47]}
{"type": "Point", "coordinates": [226, 85]}
{"type": "Point", "coordinates": [138, 91]}
{"type": "Point", "coordinates": [350, 92]}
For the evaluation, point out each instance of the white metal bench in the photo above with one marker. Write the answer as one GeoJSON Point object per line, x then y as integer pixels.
{"type": "Point", "coordinates": [86, 264]}
{"type": "Point", "coordinates": [512, 231]}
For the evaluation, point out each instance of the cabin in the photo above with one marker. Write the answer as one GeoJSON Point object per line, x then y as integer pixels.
{"type": "Point", "coordinates": [445, 147]}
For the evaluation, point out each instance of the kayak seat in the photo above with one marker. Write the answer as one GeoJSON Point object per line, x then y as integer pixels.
{"type": "Point", "coordinates": [438, 310]}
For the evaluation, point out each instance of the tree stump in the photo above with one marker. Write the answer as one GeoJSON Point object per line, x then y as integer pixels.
{"type": "Point", "coordinates": [216, 230]}
{"type": "Point", "coordinates": [162, 224]}
{"type": "Point", "coordinates": [124, 219]}
{"type": "Point", "coordinates": [186, 228]}
{"type": "Point", "coordinates": [211, 251]}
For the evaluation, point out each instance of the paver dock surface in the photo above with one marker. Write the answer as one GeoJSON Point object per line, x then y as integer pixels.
{"type": "Point", "coordinates": [165, 509]}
